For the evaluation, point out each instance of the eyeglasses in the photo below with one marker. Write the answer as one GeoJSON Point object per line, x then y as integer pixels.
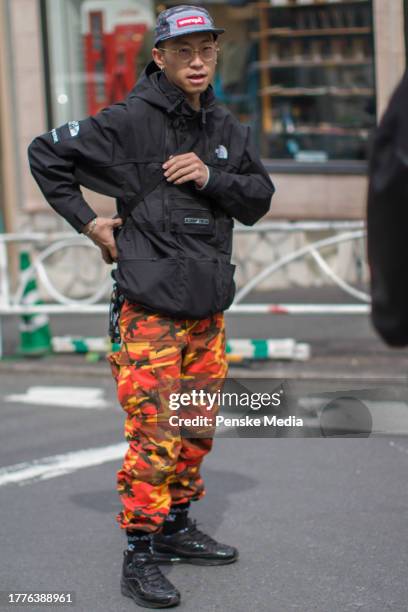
{"type": "Point", "coordinates": [185, 54]}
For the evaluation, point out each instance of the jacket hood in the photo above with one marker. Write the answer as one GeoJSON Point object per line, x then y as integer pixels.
{"type": "Point", "coordinates": [154, 87]}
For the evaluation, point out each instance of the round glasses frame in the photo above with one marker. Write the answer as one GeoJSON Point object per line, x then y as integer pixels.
{"type": "Point", "coordinates": [186, 54]}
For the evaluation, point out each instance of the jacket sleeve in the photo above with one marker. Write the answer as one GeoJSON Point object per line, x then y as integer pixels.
{"type": "Point", "coordinates": [387, 221]}
{"type": "Point", "coordinates": [245, 195]}
{"type": "Point", "coordinates": [55, 156]}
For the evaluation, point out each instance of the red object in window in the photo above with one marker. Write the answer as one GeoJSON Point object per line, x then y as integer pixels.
{"type": "Point", "coordinates": [124, 46]}
{"type": "Point", "coordinates": [110, 58]}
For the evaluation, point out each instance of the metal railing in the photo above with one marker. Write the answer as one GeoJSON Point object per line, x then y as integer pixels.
{"type": "Point", "coordinates": [345, 231]}
{"type": "Point", "coordinates": [48, 245]}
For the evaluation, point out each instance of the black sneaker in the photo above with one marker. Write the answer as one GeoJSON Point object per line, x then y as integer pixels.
{"type": "Point", "coordinates": [191, 545]}
{"type": "Point", "coordinates": [143, 581]}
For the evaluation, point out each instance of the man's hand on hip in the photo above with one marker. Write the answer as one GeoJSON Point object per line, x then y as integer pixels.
{"type": "Point", "coordinates": [100, 231]}
{"type": "Point", "coordinates": [179, 169]}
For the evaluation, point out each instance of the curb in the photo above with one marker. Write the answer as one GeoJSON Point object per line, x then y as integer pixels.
{"type": "Point", "coordinates": [237, 349]}
{"type": "Point", "coordinates": [275, 371]}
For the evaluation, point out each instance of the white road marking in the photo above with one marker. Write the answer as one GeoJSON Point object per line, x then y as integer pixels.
{"type": "Point", "coordinates": [58, 465]}
{"type": "Point", "coordinates": [65, 397]}
{"type": "Point", "coordinates": [389, 416]}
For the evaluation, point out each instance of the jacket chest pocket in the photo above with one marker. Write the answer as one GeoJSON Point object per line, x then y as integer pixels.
{"type": "Point", "coordinates": [192, 221]}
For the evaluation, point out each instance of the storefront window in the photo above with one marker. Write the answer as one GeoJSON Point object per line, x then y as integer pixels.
{"type": "Point", "coordinates": [300, 72]}
{"type": "Point", "coordinates": [94, 46]}
{"type": "Point", "coordinates": [316, 79]}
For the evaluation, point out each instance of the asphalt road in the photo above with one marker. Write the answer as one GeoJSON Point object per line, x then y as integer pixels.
{"type": "Point", "coordinates": [341, 346]}
{"type": "Point", "coordinates": [328, 334]}
{"type": "Point", "coordinates": [320, 523]}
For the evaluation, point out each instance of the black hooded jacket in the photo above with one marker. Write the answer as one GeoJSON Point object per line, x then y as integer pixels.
{"type": "Point", "coordinates": [174, 249]}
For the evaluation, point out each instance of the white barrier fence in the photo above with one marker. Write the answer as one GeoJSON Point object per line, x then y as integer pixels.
{"type": "Point", "coordinates": [48, 245]}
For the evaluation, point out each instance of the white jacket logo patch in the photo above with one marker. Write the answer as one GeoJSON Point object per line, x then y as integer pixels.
{"type": "Point", "coordinates": [221, 152]}
{"type": "Point", "coordinates": [73, 128]}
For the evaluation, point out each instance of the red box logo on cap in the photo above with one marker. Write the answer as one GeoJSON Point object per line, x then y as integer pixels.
{"type": "Point", "coordinates": [193, 20]}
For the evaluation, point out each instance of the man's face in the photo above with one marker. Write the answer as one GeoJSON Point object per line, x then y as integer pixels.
{"type": "Point", "coordinates": [191, 74]}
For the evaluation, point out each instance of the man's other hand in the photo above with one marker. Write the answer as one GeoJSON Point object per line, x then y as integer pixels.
{"type": "Point", "coordinates": [101, 234]}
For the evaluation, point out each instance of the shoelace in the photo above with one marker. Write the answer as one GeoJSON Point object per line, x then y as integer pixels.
{"type": "Point", "coordinates": [198, 535]}
{"type": "Point", "coordinates": [152, 573]}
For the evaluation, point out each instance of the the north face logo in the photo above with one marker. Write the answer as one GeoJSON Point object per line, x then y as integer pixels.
{"type": "Point", "coordinates": [221, 152]}
{"type": "Point", "coordinates": [186, 21]}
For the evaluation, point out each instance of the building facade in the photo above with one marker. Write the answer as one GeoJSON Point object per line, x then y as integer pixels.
{"type": "Point", "coordinates": [310, 76]}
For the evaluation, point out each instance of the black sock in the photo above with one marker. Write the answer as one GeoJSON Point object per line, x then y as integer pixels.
{"type": "Point", "coordinates": [138, 540]}
{"type": "Point", "coordinates": [176, 519]}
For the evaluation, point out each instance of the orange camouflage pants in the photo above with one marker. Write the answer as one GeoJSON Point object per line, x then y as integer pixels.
{"type": "Point", "coordinates": [159, 356]}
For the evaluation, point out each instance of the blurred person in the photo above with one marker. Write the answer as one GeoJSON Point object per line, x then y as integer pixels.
{"type": "Point", "coordinates": [181, 167]}
{"type": "Point", "coordinates": [387, 220]}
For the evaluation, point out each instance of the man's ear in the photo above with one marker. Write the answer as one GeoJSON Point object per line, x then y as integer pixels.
{"type": "Point", "coordinates": [157, 58]}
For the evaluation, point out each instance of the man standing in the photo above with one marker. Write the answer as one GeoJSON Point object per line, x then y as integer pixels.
{"type": "Point", "coordinates": [181, 168]}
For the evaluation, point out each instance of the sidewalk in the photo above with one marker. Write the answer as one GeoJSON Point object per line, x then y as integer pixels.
{"type": "Point", "coordinates": [344, 347]}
